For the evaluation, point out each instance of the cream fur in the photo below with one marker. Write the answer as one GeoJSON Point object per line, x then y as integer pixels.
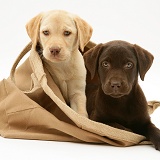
{"type": "Point", "coordinates": [67, 67]}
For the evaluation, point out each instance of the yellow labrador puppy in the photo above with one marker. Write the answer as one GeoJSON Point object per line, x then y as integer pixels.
{"type": "Point", "coordinates": [58, 36]}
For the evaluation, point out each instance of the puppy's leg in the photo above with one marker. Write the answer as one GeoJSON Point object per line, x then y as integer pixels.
{"type": "Point", "coordinates": [143, 124]}
{"type": "Point", "coordinates": [77, 97]}
{"type": "Point", "coordinates": [153, 133]}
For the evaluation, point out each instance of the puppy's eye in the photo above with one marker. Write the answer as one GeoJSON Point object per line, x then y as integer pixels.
{"type": "Point", "coordinates": [128, 65]}
{"type": "Point", "coordinates": [105, 64]}
{"type": "Point", "coordinates": [46, 33]}
{"type": "Point", "coordinates": [67, 33]}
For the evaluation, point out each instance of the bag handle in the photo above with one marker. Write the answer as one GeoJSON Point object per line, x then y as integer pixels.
{"type": "Point", "coordinates": [21, 55]}
{"type": "Point", "coordinates": [35, 62]}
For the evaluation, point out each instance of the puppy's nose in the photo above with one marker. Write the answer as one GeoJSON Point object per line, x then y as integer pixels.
{"type": "Point", "coordinates": [55, 50]}
{"type": "Point", "coordinates": [115, 84]}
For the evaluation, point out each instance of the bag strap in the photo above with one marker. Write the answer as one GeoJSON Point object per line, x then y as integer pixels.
{"type": "Point", "coordinates": [21, 55]}
{"type": "Point", "coordinates": [35, 62]}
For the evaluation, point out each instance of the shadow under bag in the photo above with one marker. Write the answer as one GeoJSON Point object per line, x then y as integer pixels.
{"type": "Point", "coordinates": [32, 107]}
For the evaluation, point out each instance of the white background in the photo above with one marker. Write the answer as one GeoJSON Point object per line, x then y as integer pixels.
{"type": "Point", "coordinates": [135, 21]}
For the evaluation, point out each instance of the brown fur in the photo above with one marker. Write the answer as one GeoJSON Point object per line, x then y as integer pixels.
{"type": "Point", "coordinates": [114, 96]}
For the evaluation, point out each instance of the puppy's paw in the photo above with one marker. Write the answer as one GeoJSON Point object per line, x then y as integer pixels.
{"type": "Point", "coordinates": [155, 139]}
{"type": "Point", "coordinates": [157, 146]}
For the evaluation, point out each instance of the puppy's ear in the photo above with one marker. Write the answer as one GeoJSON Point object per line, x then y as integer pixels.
{"type": "Point", "coordinates": [84, 32]}
{"type": "Point", "coordinates": [145, 60]}
{"type": "Point", "coordinates": [32, 28]}
{"type": "Point", "coordinates": [91, 59]}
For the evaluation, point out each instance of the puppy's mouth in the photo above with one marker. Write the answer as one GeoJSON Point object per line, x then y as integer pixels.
{"type": "Point", "coordinates": [55, 57]}
{"type": "Point", "coordinates": [116, 92]}
{"type": "Point", "coordinates": [116, 95]}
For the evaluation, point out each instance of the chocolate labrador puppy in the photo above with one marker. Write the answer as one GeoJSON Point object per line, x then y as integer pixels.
{"type": "Point", "coordinates": [114, 96]}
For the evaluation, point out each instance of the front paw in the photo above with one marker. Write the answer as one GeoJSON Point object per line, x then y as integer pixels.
{"type": "Point", "coordinates": [157, 144]}
{"type": "Point", "coordinates": [156, 140]}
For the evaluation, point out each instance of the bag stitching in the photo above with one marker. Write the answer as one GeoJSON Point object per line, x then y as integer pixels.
{"type": "Point", "coordinates": [5, 105]}
{"type": "Point", "coordinates": [9, 113]}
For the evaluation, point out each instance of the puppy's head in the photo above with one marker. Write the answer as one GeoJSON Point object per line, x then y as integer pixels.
{"type": "Point", "coordinates": [58, 33]}
{"type": "Point", "coordinates": [117, 64]}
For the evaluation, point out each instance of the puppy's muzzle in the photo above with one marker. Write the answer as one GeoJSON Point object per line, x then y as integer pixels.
{"type": "Point", "coordinates": [55, 50]}
{"type": "Point", "coordinates": [116, 87]}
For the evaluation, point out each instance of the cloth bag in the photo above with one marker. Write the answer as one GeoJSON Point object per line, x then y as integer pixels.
{"type": "Point", "coordinates": [32, 107]}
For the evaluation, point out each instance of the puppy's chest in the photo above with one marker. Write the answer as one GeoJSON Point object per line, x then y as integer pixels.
{"type": "Point", "coordinates": [124, 115]}
{"type": "Point", "coordinates": [63, 74]}
{"type": "Point", "coordinates": [61, 77]}
{"type": "Point", "coordinates": [113, 111]}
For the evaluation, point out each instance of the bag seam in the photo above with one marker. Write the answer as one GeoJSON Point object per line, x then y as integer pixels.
{"type": "Point", "coordinates": [9, 113]}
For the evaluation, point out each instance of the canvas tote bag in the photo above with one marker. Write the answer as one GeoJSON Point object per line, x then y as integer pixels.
{"type": "Point", "coordinates": [32, 107]}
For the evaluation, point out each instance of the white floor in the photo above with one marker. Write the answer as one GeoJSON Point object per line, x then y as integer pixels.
{"type": "Point", "coordinates": [134, 21]}
{"type": "Point", "coordinates": [47, 150]}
